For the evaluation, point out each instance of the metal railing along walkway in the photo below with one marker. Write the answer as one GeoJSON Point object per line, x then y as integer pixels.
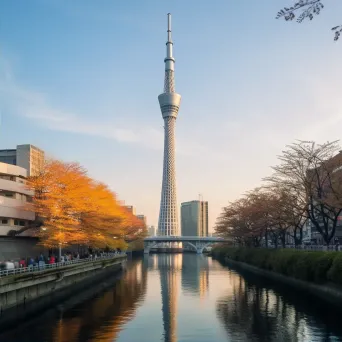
{"type": "Point", "coordinates": [42, 267]}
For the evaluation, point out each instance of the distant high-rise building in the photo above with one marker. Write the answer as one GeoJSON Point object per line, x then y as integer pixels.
{"type": "Point", "coordinates": [194, 218]}
{"type": "Point", "coordinates": [142, 218]}
{"type": "Point", "coordinates": [151, 231]}
{"type": "Point", "coordinates": [131, 209]}
{"type": "Point", "coordinates": [27, 156]}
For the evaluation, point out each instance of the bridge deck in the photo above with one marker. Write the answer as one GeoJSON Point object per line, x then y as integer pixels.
{"type": "Point", "coordinates": [185, 238]}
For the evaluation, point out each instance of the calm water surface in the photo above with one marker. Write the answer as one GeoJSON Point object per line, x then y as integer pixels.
{"type": "Point", "coordinates": [183, 297]}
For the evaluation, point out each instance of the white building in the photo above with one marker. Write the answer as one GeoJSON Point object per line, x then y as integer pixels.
{"type": "Point", "coordinates": [27, 156]}
{"type": "Point", "coordinates": [15, 199]}
{"type": "Point", "coordinates": [152, 231]}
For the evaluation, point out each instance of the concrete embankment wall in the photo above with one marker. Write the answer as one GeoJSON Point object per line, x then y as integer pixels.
{"type": "Point", "coordinates": [23, 294]}
{"type": "Point", "coordinates": [327, 292]}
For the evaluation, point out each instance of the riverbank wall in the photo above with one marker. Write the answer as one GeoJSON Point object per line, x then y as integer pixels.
{"type": "Point", "coordinates": [23, 294]}
{"type": "Point", "coordinates": [317, 273]}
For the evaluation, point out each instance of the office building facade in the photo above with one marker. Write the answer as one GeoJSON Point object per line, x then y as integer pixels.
{"type": "Point", "coordinates": [16, 211]}
{"type": "Point", "coordinates": [194, 218]}
{"type": "Point", "coordinates": [26, 156]}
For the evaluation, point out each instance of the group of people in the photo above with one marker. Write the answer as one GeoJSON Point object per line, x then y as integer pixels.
{"type": "Point", "coordinates": [41, 261]}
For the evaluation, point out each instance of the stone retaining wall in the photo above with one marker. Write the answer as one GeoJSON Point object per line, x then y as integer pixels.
{"type": "Point", "coordinates": [25, 293]}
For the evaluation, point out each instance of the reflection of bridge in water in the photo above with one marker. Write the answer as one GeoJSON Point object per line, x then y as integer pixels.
{"type": "Point", "coordinates": [196, 242]}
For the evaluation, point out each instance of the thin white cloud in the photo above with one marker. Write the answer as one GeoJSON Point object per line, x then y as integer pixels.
{"type": "Point", "coordinates": [34, 105]}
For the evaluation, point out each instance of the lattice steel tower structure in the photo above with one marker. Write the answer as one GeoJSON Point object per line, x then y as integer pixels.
{"type": "Point", "coordinates": [169, 104]}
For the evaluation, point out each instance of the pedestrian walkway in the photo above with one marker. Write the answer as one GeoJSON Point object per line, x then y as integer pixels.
{"type": "Point", "coordinates": [41, 266]}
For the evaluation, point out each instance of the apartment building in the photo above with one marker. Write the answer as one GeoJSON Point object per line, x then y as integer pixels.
{"type": "Point", "coordinates": [15, 208]}
{"type": "Point", "coordinates": [27, 156]}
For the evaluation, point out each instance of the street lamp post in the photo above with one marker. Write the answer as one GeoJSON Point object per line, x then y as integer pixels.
{"type": "Point", "coordinates": [60, 252]}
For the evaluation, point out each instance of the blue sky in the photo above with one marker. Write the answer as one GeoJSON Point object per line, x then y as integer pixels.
{"type": "Point", "coordinates": [80, 79]}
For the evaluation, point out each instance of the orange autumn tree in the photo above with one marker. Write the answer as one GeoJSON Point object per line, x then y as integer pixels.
{"type": "Point", "coordinates": [75, 209]}
{"type": "Point", "coordinates": [135, 231]}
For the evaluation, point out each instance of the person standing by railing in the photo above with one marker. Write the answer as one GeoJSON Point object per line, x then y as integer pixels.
{"type": "Point", "coordinates": [22, 263]}
{"type": "Point", "coordinates": [52, 260]}
{"type": "Point", "coordinates": [31, 263]}
{"type": "Point", "coordinates": [9, 265]}
{"type": "Point", "coordinates": [41, 262]}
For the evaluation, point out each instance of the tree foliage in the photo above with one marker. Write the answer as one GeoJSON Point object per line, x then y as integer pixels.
{"type": "Point", "coordinates": [306, 9]}
{"type": "Point", "coordinates": [249, 219]}
{"type": "Point", "coordinates": [306, 185]}
{"type": "Point", "coordinates": [311, 173]}
{"type": "Point", "coordinates": [76, 209]}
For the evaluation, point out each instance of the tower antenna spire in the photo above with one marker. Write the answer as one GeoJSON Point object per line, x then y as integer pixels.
{"type": "Point", "coordinates": [169, 37]}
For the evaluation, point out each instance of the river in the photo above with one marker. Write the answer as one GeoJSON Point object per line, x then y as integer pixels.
{"type": "Point", "coordinates": [183, 298]}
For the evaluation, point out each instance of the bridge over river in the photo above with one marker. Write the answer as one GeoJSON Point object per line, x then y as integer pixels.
{"type": "Point", "coordinates": [198, 243]}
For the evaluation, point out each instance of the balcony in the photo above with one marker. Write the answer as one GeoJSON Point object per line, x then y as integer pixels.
{"type": "Point", "coordinates": [17, 209]}
{"type": "Point", "coordinates": [13, 186]}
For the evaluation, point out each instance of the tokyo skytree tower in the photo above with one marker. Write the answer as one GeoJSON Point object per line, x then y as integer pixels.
{"type": "Point", "coordinates": [169, 104]}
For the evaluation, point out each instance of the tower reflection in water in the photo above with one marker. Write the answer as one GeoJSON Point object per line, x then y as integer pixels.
{"type": "Point", "coordinates": [169, 266]}
{"type": "Point", "coordinates": [175, 270]}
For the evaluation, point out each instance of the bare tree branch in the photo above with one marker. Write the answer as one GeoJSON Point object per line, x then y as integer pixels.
{"type": "Point", "coordinates": [312, 174]}
{"type": "Point", "coordinates": [307, 9]}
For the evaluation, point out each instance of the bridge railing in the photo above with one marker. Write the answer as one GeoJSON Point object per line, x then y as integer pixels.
{"type": "Point", "coordinates": [41, 267]}
{"type": "Point", "coordinates": [315, 247]}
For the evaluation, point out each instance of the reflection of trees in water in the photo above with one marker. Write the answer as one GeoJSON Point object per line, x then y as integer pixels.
{"type": "Point", "coordinates": [255, 312]}
{"type": "Point", "coordinates": [101, 318]}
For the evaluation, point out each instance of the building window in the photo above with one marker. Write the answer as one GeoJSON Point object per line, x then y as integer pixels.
{"type": "Point", "coordinates": [16, 222]}
{"type": "Point", "coordinates": [4, 221]}
{"type": "Point", "coordinates": [21, 223]}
